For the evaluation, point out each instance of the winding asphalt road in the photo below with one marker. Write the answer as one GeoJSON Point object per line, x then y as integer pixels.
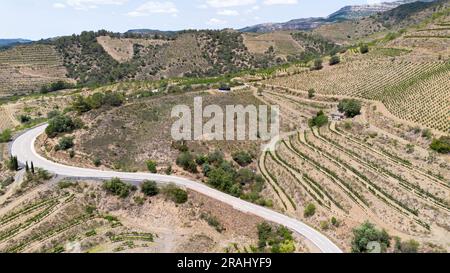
{"type": "Point", "coordinates": [23, 147]}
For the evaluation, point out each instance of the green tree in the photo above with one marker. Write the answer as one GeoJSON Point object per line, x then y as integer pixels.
{"type": "Point", "coordinates": [366, 234]}
{"type": "Point", "coordinates": [61, 124]}
{"type": "Point", "coordinates": [150, 188]}
{"type": "Point", "coordinates": [319, 120]}
{"type": "Point", "coordinates": [350, 107]}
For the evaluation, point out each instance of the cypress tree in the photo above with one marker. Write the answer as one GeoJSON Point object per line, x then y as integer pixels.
{"type": "Point", "coordinates": [27, 168]}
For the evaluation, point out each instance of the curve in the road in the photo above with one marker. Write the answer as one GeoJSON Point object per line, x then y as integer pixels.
{"type": "Point", "coordinates": [24, 148]}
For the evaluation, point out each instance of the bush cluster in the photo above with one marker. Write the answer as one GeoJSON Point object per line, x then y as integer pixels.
{"type": "Point", "coordinates": [275, 239]}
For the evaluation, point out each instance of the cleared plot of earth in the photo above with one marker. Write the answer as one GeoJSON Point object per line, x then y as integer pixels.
{"type": "Point", "coordinates": [281, 42]}
{"type": "Point", "coordinates": [122, 50]}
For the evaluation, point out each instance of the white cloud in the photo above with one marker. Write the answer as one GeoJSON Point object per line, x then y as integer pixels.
{"type": "Point", "coordinates": [154, 7]}
{"type": "Point", "coordinates": [59, 5]}
{"type": "Point", "coordinates": [215, 22]}
{"type": "Point", "coordinates": [228, 12]}
{"type": "Point", "coordinates": [280, 2]}
{"type": "Point", "coordinates": [229, 3]}
{"type": "Point", "coordinates": [92, 4]}
{"type": "Point", "coordinates": [252, 9]}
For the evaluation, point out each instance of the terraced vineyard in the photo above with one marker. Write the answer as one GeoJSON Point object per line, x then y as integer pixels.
{"type": "Point", "coordinates": [416, 91]}
{"type": "Point", "coordinates": [24, 69]}
{"type": "Point", "coordinates": [355, 180]}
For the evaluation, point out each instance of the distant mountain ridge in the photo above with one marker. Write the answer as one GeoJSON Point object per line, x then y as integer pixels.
{"type": "Point", "coordinates": [345, 13]}
{"type": "Point", "coordinates": [11, 42]}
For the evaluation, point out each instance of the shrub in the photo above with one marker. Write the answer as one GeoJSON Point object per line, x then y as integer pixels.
{"type": "Point", "coordinates": [65, 143]}
{"type": "Point", "coordinates": [216, 158]}
{"type": "Point", "coordinates": [97, 162]}
{"type": "Point", "coordinates": [367, 233]}
{"type": "Point", "coordinates": [278, 240]}
{"type": "Point", "coordinates": [350, 107]}
{"type": "Point", "coordinates": [8, 181]}
{"type": "Point", "coordinates": [169, 170]}
{"type": "Point", "coordinates": [410, 246]}
{"type": "Point", "coordinates": [212, 221]}
{"type": "Point", "coordinates": [85, 104]}
{"type": "Point", "coordinates": [318, 64]}
{"type": "Point", "coordinates": [24, 118]}
{"type": "Point", "coordinates": [201, 159]}
{"type": "Point", "coordinates": [324, 225]}
{"type": "Point", "coordinates": [310, 210]}
{"type": "Point", "coordinates": [43, 174]}
{"type": "Point", "coordinates": [441, 145]}
{"type": "Point", "coordinates": [244, 176]}
{"type": "Point", "coordinates": [177, 195]}
{"type": "Point", "coordinates": [222, 180]}
{"type": "Point", "coordinates": [56, 86]}
{"type": "Point", "coordinates": [5, 136]}
{"type": "Point", "coordinates": [426, 133]}
{"type": "Point", "coordinates": [13, 163]}
{"type": "Point", "coordinates": [311, 93]}
{"type": "Point", "coordinates": [151, 166]}
{"type": "Point", "coordinates": [186, 161]}
{"type": "Point", "coordinates": [150, 188]}
{"type": "Point", "coordinates": [116, 187]}
{"type": "Point", "coordinates": [334, 222]}
{"type": "Point", "coordinates": [53, 114]}
{"type": "Point", "coordinates": [320, 120]}
{"type": "Point", "coordinates": [364, 48]}
{"type": "Point", "coordinates": [335, 60]}
{"type": "Point", "coordinates": [242, 158]}
{"type": "Point", "coordinates": [64, 184]}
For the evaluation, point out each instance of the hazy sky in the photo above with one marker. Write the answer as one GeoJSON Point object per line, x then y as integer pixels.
{"type": "Point", "coordinates": [35, 19]}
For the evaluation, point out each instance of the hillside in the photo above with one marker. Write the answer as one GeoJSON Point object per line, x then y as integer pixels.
{"type": "Point", "coordinates": [26, 68]}
{"type": "Point", "coordinates": [380, 24]}
{"type": "Point", "coordinates": [347, 13]}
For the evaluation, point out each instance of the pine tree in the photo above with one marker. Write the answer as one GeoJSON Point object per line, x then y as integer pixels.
{"type": "Point", "coordinates": [32, 167]}
{"type": "Point", "coordinates": [27, 168]}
